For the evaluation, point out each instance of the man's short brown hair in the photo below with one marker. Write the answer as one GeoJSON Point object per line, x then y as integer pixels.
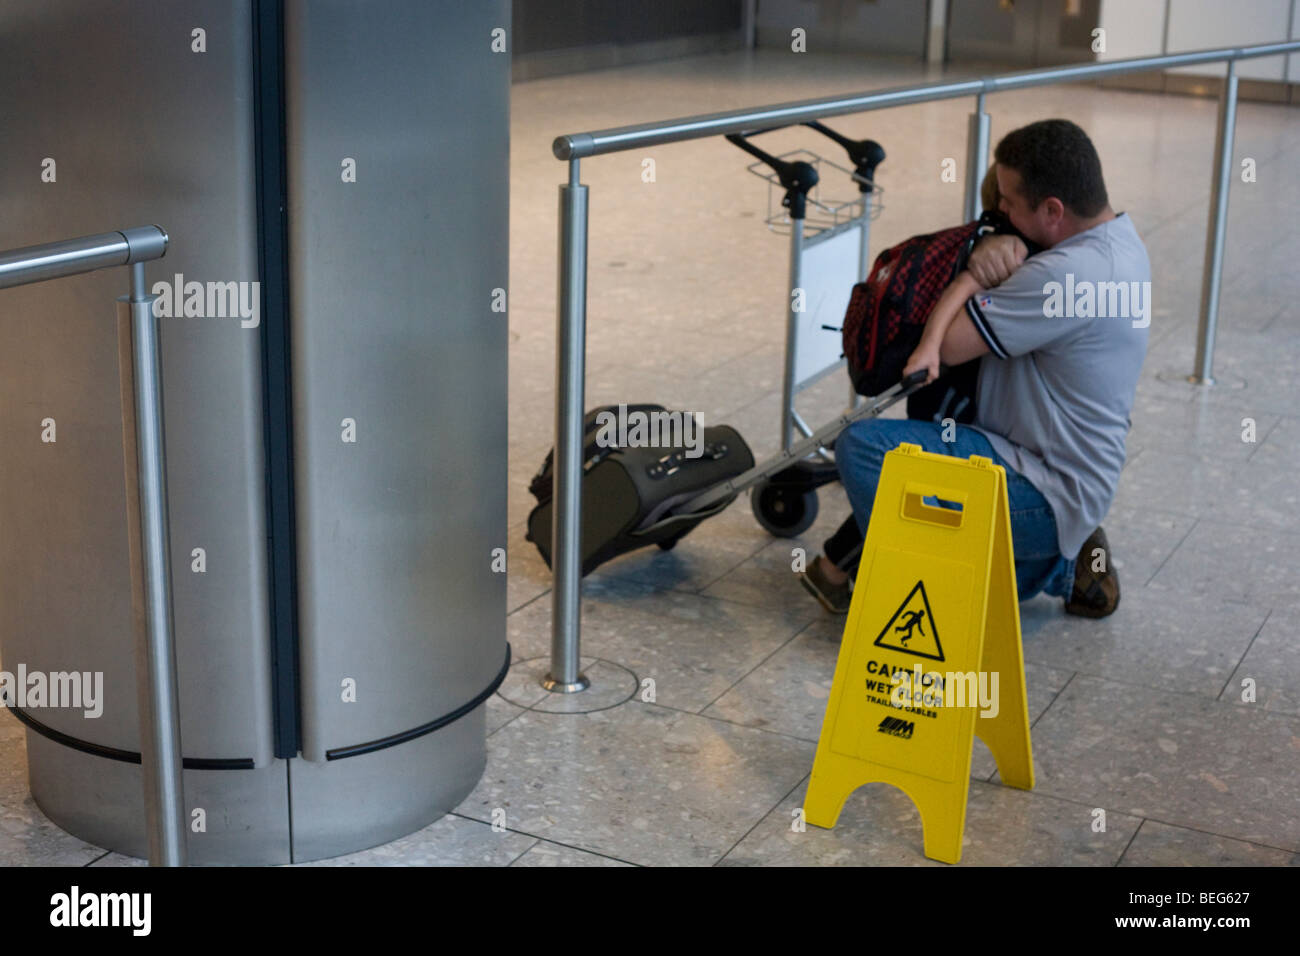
{"type": "Point", "coordinates": [1055, 158]}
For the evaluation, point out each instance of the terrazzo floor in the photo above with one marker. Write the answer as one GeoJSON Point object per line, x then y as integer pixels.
{"type": "Point", "coordinates": [1140, 714]}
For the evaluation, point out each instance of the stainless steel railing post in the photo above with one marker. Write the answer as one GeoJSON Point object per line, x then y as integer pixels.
{"type": "Point", "coordinates": [1216, 231]}
{"type": "Point", "coordinates": [145, 463]}
{"type": "Point", "coordinates": [145, 468]}
{"type": "Point", "coordinates": [977, 159]}
{"type": "Point", "coordinates": [570, 361]}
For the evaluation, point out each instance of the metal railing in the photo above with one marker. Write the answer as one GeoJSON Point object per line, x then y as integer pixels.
{"type": "Point", "coordinates": [572, 292]}
{"type": "Point", "coordinates": [142, 440]}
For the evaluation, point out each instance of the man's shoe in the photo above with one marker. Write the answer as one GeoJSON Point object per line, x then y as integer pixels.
{"type": "Point", "coordinates": [1096, 593]}
{"type": "Point", "coordinates": [834, 597]}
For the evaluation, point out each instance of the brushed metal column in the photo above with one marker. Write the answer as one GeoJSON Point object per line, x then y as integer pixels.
{"type": "Point", "coordinates": [394, 273]}
{"type": "Point", "coordinates": [143, 128]}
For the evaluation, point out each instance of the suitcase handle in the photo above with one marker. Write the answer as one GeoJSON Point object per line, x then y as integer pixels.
{"type": "Point", "coordinates": [663, 523]}
{"type": "Point", "coordinates": [811, 445]}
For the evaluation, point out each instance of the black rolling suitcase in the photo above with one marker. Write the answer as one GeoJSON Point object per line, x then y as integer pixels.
{"type": "Point", "coordinates": [629, 493]}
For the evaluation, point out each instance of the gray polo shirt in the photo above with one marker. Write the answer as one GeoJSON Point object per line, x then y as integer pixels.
{"type": "Point", "coordinates": [1067, 333]}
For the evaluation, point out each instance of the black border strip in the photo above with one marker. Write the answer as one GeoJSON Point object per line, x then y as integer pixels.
{"type": "Point", "coordinates": [277, 381]}
{"type": "Point", "coordinates": [356, 750]}
{"type": "Point", "coordinates": [125, 756]}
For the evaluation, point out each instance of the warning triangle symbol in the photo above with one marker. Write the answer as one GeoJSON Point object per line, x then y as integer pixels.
{"type": "Point", "coordinates": [912, 629]}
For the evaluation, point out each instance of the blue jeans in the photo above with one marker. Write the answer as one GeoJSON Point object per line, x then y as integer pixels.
{"type": "Point", "coordinates": [860, 453]}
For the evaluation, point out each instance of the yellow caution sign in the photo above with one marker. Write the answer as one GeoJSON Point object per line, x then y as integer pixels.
{"type": "Point", "coordinates": [931, 653]}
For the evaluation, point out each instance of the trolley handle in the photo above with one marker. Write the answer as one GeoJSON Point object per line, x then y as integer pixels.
{"type": "Point", "coordinates": [728, 489]}
{"type": "Point", "coordinates": [797, 177]}
{"type": "Point", "coordinates": [866, 154]}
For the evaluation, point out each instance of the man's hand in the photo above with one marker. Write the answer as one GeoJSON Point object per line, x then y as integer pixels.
{"type": "Point", "coordinates": [926, 357]}
{"type": "Point", "coordinates": [994, 258]}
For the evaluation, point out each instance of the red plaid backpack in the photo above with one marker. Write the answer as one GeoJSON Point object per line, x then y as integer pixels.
{"type": "Point", "coordinates": [887, 313]}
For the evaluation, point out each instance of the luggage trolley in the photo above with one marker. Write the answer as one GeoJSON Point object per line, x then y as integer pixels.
{"type": "Point", "coordinates": [828, 256]}
{"type": "Point", "coordinates": [784, 499]}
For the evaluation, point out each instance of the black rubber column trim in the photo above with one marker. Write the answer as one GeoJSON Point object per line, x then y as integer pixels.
{"type": "Point", "coordinates": [125, 756]}
{"type": "Point", "coordinates": [277, 382]}
{"type": "Point", "coordinates": [356, 750]}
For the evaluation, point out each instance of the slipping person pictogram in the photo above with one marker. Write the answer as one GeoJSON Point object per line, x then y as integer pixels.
{"type": "Point", "coordinates": [910, 620]}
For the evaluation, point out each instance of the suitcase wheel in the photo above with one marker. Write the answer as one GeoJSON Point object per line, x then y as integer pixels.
{"type": "Point", "coordinates": [783, 511]}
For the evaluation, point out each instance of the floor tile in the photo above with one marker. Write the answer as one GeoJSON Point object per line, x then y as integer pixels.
{"type": "Point", "coordinates": [500, 712]}
{"type": "Point", "coordinates": [1192, 425]}
{"type": "Point", "coordinates": [1141, 539]}
{"type": "Point", "coordinates": [450, 841]}
{"type": "Point", "coordinates": [610, 686]}
{"type": "Point", "coordinates": [693, 648]}
{"type": "Point", "coordinates": [1044, 684]}
{"type": "Point", "coordinates": [528, 629]}
{"type": "Point", "coordinates": [1251, 492]}
{"type": "Point", "coordinates": [1158, 638]}
{"type": "Point", "coordinates": [692, 564]}
{"type": "Point", "coordinates": [880, 826]}
{"type": "Point", "coordinates": [1235, 563]}
{"type": "Point", "coordinates": [641, 783]}
{"type": "Point", "coordinates": [1185, 761]}
{"type": "Point", "coordinates": [1265, 366]}
{"type": "Point", "coordinates": [545, 853]}
{"type": "Point", "coordinates": [1158, 844]}
{"type": "Point", "coordinates": [769, 578]}
{"type": "Point", "coordinates": [27, 837]}
{"type": "Point", "coordinates": [788, 692]}
{"type": "Point", "coordinates": [1279, 447]}
{"type": "Point", "coordinates": [1273, 664]}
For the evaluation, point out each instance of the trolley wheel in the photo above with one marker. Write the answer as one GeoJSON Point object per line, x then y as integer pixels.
{"type": "Point", "coordinates": [783, 511]}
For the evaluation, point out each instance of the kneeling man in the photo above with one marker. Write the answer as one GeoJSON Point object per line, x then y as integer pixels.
{"type": "Point", "coordinates": [1063, 335]}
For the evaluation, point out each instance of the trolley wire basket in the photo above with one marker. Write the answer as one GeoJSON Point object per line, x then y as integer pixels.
{"type": "Point", "coordinates": [828, 205]}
